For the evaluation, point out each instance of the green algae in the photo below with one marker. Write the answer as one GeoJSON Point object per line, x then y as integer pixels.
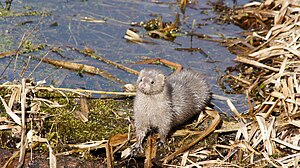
{"type": "Point", "coordinates": [103, 120]}
{"type": "Point", "coordinates": [61, 126]}
{"type": "Point", "coordinates": [6, 42]}
{"type": "Point", "coordinates": [9, 13]}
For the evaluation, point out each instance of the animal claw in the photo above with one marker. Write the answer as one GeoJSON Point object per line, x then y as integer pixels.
{"type": "Point", "coordinates": [136, 150]}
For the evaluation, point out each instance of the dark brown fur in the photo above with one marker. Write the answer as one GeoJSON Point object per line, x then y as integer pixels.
{"type": "Point", "coordinates": [163, 103]}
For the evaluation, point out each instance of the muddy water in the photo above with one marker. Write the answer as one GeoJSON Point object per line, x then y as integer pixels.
{"type": "Point", "coordinates": [63, 26]}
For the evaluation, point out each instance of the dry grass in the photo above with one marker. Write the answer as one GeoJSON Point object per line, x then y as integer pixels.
{"type": "Point", "coordinates": [269, 132]}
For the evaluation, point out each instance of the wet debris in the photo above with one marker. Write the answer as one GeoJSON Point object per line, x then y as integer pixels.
{"type": "Point", "coordinates": [92, 20]}
{"type": "Point", "coordinates": [155, 28]}
{"type": "Point", "coordinates": [133, 36]}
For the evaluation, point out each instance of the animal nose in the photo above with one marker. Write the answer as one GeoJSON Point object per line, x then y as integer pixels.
{"type": "Point", "coordinates": [142, 86]}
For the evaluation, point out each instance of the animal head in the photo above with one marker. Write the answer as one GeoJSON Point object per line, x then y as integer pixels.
{"type": "Point", "coordinates": [151, 81]}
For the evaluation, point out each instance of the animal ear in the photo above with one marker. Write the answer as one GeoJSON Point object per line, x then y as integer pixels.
{"type": "Point", "coordinates": [161, 77]}
{"type": "Point", "coordinates": [142, 71]}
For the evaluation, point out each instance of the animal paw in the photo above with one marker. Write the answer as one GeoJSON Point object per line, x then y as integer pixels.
{"type": "Point", "coordinates": [136, 150]}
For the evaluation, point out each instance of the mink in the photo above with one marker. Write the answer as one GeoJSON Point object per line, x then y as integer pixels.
{"type": "Point", "coordinates": [163, 103]}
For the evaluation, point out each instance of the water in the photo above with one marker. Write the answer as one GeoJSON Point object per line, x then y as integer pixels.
{"type": "Point", "coordinates": [63, 26]}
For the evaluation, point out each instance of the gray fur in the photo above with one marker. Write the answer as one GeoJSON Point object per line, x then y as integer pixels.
{"type": "Point", "coordinates": [163, 103]}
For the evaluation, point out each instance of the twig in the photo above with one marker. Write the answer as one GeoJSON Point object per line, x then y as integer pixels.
{"type": "Point", "coordinates": [74, 90]}
{"type": "Point", "coordinates": [38, 64]}
{"type": "Point", "coordinates": [23, 126]}
{"type": "Point", "coordinates": [81, 67]}
{"type": "Point", "coordinates": [105, 60]}
{"type": "Point", "coordinates": [255, 63]}
{"type": "Point", "coordinates": [23, 39]}
{"type": "Point", "coordinates": [210, 129]}
{"type": "Point", "coordinates": [13, 52]}
{"type": "Point", "coordinates": [109, 155]}
{"type": "Point", "coordinates": [177, 66]}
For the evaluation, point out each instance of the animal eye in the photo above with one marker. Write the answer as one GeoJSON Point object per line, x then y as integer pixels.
{"type": "Point", "coordinates": [152, 82]}
{"type": "Point", "coordinates": [141, 80]}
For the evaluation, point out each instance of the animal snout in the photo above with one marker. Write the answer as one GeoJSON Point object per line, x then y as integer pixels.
{"type": "Point", "coordinates": [142, 86]}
